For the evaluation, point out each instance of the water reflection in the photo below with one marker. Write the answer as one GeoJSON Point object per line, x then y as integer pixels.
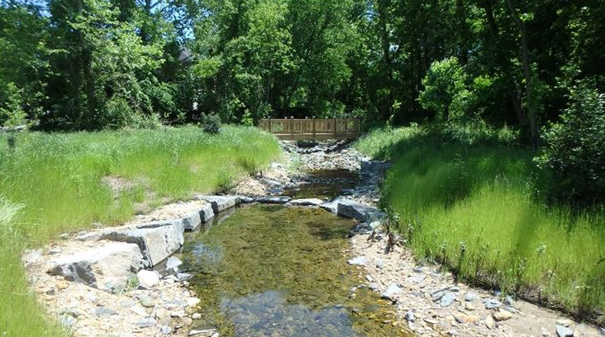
{"type": "Point", "coordinates": [269, 314]}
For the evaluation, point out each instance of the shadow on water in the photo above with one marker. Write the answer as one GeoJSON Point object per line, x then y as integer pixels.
{"type": "Point", "coordinates": [268, 271]}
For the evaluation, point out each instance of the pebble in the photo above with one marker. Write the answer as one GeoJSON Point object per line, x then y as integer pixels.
{"type": "Point", "coordinates": [409, 316]}
{"type": "Point", "coordinates": [563, 331]}
{"type": "Point", "coordinates": [508, 300]}
{"type": "Point", "coordinates": [545, 332]}
{"type": "Point", "coordinates": [492, 303]}
{"type": "Point", "coordinates": [196, 316]}
{"type": "Point", "coordinates": [418, 269]}
{"type": "Point", "coordinates": [470, 297]}
{"type": "Point", "coordinates": [102, 311]}
{"type": "Point", "coordinates": [564, 322]}
{"type": "Point", "coordinates": [464, 318]}
{"type": "Point", "coordinates": [165, 329]}
{"type": "Point", "coordinates": [148, 279]}
{"type": "Point", "coordinates": [469, 306]}
{"type": "Point", "coordinates": [147, 322]}
{"type": "Point", "coordinates": [502, 315]}
{"type": "Point", "coordinates": [391, 291]}
{"type": "Point", "coordinates": [146, 301]}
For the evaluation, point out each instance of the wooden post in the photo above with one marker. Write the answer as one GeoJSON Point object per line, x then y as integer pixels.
{"type": "Point", "coordinates": [334, 119]}
{"type": "Point", "coordinates": [292, 127]}
{"type": "Point", "coordinates": [270, 125]}
{"type": "Point", "coordinates": [346, 125]}
{"type": "Point", "coordinates": [314, 128]}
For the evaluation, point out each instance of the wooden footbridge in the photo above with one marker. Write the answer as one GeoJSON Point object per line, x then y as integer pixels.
{"type": "Point", "coordinates": [312, 128]}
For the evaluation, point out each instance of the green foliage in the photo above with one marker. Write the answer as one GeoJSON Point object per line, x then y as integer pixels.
{"type": "Point", "coordinates": [448, 196]}
{"type": "Point", "coordinates": [12, 114]}
{"type": "Point", "coordinates": [211, 123]}
{"type": "Point", "coordinates": [444, 89]}
{"type": "Point", "coordinates": [575, 152]}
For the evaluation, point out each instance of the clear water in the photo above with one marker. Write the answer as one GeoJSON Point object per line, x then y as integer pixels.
{"type": "Point", "coordinates": [281, 271]}
{"type": "Point", "coordinates": [324, 184]}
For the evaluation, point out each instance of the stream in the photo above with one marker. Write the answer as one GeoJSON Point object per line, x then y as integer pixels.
{"type": "Point", "coordinates": [269, 270]}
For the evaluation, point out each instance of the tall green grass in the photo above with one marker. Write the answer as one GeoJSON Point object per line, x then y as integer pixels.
{"type": "Point", "coordinates": [58, 179]}
{"type": "Point", "coordinates": [476, 207]}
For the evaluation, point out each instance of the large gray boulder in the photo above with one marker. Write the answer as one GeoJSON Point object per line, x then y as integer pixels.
{"type": "Point", "coordinates": [107, 267]}
{"type": "Point", "coordinates": [332, 206]}
{"type": "Point", "coordinates": [157, 240]}
{"type": "Point", "coordinates": [221, 203]}
{"type": "Point", "coordinates": [355, 210]}
{"type": "Point", "coordinates": [192, 221]}
{"type": "Point", "coordinates": [207, 213]}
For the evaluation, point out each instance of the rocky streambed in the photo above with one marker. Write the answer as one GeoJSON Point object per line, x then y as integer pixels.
{"type": "Point", "coordinates": [270, 260]}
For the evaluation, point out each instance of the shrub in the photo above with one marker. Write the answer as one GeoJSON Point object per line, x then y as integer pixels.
{"type": "Point", "coordinates": [575, 151]}
{"type": "Point", "coordinates": [444, 89]}
{"type": "Point", "coordinates": [211, 123]}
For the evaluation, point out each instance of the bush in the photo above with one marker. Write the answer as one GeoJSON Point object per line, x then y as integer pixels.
{"type": "Point", "coordinates": [444, 89]}
{"type": "Point", "coordinates": [211, 123]}
{"type": "Point", "coordinates": [575, 152]}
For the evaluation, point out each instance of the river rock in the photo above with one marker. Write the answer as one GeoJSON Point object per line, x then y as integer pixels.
{"type": "Point", "coordinates": [466, 319]}
{"type": "Point", "coordinates": [602, 331]}
{"type": "Point", "coordinates": [470, 297]}
{"type": "Point", "coordinates": [492, 303]}
{"type": "Point", "coordinates": [173, 262]}
{"type": "Point", "coordinates": [502, 315]}
{"type": "Point", "coordinates": [221, 203]}
{"type": "Point", "coordinates": [157, 240]}
{"type": "Point", "coordinates": [306, 202]}
{"type": "Point", "coordinates": [204, 333]}
{"type": "Point", "coordinates": [489, 322]}
{"type": "Point", "coordinates": [332, 206]}
{"type": "Point", "coordinates": [563, 331]}
{"type": "Point", "coordinates": [106, 267]}
{"type": "Point", "coordinates": [148, 279]}
{"type": "Point", "coordinates": [355, 210]}
{"type": "Point", "coordinates": [280, 200]}
{"type": "Point", "coordinates": [447, 299]}
{"type": "Point", "coordinates": [358, 261]}
{"type": "Point", "coordinates": [391, 291]}
{"type": "Point", "coordinates": [410, 317]}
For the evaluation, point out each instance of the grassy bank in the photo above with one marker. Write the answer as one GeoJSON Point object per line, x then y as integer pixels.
{"type": "Point", "coordinates": [52, 183]}
{"type": "Point", "coordinates": [475, 205]}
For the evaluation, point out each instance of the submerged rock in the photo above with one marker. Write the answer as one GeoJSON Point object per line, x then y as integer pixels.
{"type": "Point", "coordinates": [306, 202]}
{"type": "Point", "coordinates": [106, 267]}
{"type": "Point", "coordinates": [280, 200]}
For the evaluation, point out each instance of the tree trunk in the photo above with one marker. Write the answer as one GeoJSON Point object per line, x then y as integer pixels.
{"type": "Point", "coordinates": [533, 128]}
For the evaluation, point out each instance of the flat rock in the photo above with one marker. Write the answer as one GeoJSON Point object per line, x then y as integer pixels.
{"type": "Point", "coordinates": [203, 333]}
{"type": "Point", "coordinates": [466, 319]}
{"type": "Point", "coordinates": [280, 200]}
{"type": "Point", "coordinates": [470, 297]}
{"type": "Point", "coordinates": [358, 261]}
{"type": "Point", "coordinates": [148, 279]}
{"type": "Point", "coordinates": [221, 203]}
{"type": "Point", "coordinates": [157, 240]}
{"type": "Point", "coordinates": [563, 331]}
{"type": "Point", "coordinates": [306, 202]}
{"type": "Point", "coordinates": [447, 299]}
{"type": "Point", "coordinates": [106, 267]}
{"type": "Point", "coordinates": [332, 206]}
{"type": "Point", "coordinates": [391, 291]}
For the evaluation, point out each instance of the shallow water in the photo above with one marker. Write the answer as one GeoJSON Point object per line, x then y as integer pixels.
{"type": "Point", "coordinates": [282, 271]}
{"type": "Point", "coordinates": [324, 184]}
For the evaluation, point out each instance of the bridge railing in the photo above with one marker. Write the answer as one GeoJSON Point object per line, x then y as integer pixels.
{"type": "Point", "coordinates": [312, 128]}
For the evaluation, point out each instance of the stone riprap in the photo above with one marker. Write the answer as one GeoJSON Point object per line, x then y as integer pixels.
{"type": "Point", "coordinates": [221, 203]}
{"type": "Point", "coordinates": [355, 210]}
{"type": "Point", "coordinates": [107, 267]}
{"type": "Point", "coordinates": [157, 241]}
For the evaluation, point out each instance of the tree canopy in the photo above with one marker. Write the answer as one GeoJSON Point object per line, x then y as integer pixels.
{"type": "Point", "coordinates": [94, 64]}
